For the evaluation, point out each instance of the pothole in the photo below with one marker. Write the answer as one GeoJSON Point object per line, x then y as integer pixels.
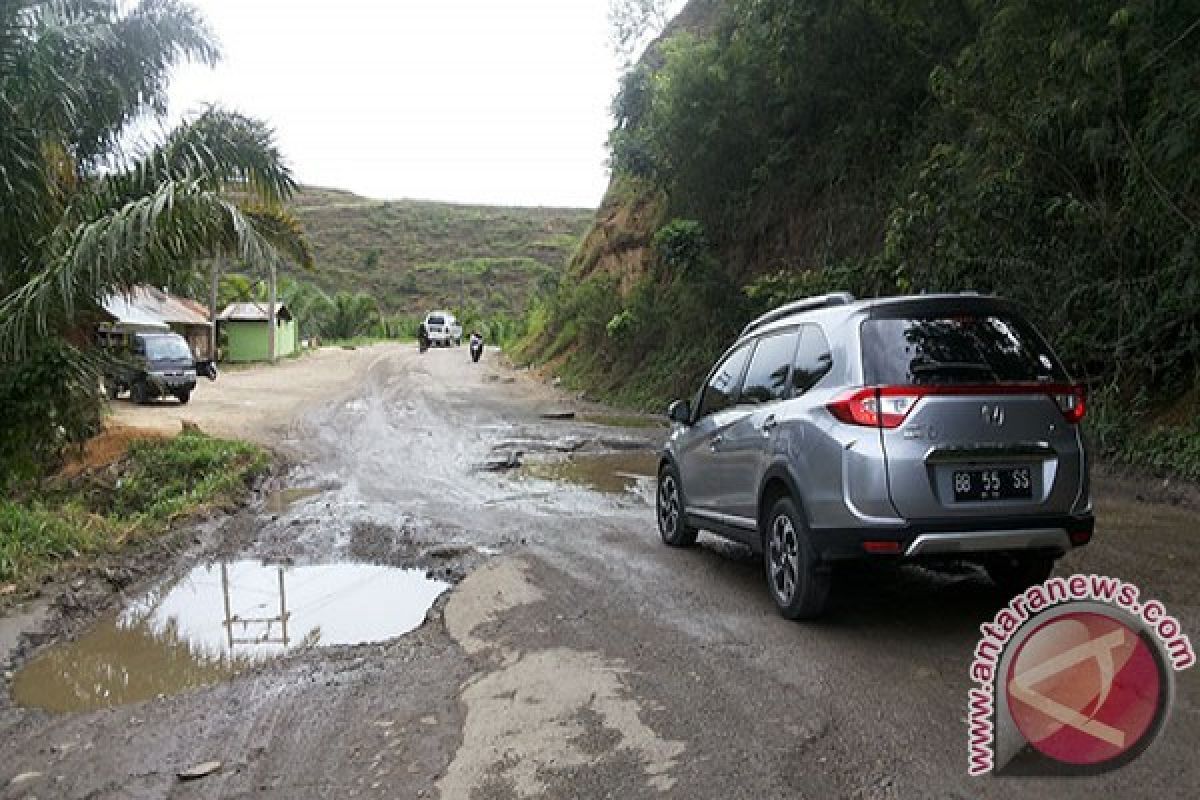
{"type": "Point", "coordinates": [624, 420]}
{"type": "Point", "coordinates": [219, 620]}
{"type": "Point", "coordinates": [613, 473]}
{"type": "Point", "coordinates": [281, 500]}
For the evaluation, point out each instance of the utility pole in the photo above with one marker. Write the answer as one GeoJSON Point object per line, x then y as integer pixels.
{"type": "Point", "coordinates": [212, 308]}
{"type": "Point", "coordinates": [271, 298]}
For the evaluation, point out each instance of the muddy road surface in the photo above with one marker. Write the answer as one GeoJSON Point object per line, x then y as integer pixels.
{"type": "Point", "coordinates": [459, 593]}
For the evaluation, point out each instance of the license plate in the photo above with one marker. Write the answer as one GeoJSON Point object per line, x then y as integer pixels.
{"type": "Point", "coordinates": [976, 485]}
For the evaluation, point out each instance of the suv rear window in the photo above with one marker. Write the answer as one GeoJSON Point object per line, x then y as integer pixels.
{"type": "Point", "coordinates": [435, 321]}
{"type": "Point", "coordinates": [956, 349]}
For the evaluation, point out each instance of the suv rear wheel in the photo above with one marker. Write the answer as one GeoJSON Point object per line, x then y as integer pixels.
{"type": "Point", "coordinates": [798, 585]}
{"type": "Point", "coordinates": [672, 523]}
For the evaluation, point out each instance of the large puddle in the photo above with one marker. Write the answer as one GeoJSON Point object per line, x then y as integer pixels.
{"type": "Point", "coordinates": [219, 620]}
{"type": "Point", "coordinates": [606, 472]}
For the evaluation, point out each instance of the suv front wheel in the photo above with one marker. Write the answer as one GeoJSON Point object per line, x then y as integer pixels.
{"type": "Point", "coordinates": [798, 585]}
{"type": "Point", "coordinates": [672, 522]}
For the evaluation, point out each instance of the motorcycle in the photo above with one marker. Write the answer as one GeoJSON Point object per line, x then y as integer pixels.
{"type": "Point", "coordinates": [476, 347]}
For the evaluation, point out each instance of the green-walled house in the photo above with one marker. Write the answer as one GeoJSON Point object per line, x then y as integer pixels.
{"type": "Point", "coordinates": [243, 327]}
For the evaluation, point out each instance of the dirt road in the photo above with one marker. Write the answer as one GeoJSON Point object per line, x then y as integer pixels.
{"type": "Point", "coordinates": [575, 656]}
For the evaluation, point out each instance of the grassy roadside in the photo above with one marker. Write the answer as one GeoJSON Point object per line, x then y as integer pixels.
{"type": "Point", "coordinates": [104, 509]}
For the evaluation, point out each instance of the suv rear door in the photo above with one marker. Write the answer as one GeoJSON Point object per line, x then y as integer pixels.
{"type": "Point", "coordinates": [976, 415]}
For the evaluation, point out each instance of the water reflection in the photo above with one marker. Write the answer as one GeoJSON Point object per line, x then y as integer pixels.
{"type": "Point", "coordinates": [218, 620]}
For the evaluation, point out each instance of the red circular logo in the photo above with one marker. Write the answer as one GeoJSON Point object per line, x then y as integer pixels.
{"type": "Point", "coordinates": [1084, 688]}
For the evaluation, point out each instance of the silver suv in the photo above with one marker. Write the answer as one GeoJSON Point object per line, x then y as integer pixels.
{"type": "Point", "coordinates": [930, 428]}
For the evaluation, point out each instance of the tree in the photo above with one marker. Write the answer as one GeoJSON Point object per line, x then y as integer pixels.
{"type": "Point", "coordinates": [85, 215]}
{"type": "Point", "coordinates": [634, 23]}
{"type": "Point", "coordinates": [353, 315]}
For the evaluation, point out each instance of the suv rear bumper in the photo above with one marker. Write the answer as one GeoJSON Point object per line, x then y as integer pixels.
{"type": "Point", "coordinates": [950, 538]}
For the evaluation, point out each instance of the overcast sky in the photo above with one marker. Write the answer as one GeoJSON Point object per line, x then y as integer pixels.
{"type": "Point", "coordinates": [494, 101]}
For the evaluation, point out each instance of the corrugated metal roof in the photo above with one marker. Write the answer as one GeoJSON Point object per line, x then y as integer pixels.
{"type": "Point", "coordinates": [145, 306]}
{"type": "Point", "coordinates": [125, 313]}
{"type": "Point", "coordinates": [252, 312]}
{"type": "Point", "coordinates": [168, 307]}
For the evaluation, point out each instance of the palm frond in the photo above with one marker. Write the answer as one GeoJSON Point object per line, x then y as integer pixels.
{"type": "Point", "coordinates": [148, 240]}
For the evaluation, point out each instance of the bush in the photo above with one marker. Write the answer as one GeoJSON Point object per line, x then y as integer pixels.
{"type": "Point", "coordinates": [48, 401]}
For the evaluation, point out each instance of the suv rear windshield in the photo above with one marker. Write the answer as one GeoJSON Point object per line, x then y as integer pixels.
{"type": "Point", "coordinates": [956, 349]}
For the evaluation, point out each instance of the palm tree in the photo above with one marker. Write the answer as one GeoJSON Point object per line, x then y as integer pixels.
{"type": "Point", "coordinates": [353, 315]}
{"type": "Point", "coordinates": [82, 212]}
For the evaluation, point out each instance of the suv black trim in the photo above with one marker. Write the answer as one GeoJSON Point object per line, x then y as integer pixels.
{"type": "Point", "coordinates": [839, 544]}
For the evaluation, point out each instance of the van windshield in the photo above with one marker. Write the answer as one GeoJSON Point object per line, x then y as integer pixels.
{"type": "Point", "coordinates": [167, 348]}
{"type": "Point", "coordinates": [956, 349]}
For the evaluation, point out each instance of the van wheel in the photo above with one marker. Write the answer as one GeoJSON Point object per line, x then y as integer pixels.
{"type": "Point", "coordinates": [111, 388]}
{"type": "Point", "coordinates": [139, 394]}
{"type": "Point", "coordinates": [184, 396]}
{"type": "Point", "coordinates": [1013, 574]}
{"type": "Point", "coordinates": [798, 585]}
{"type": "Point", "coordinates": [672, 522]}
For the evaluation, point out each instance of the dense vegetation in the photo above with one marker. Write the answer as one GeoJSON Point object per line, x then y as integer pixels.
{"type": "Point", "coordinates": [84, 215]}
{"type": "Point", "coordinates": [98, 511]}
{"type": "Point", "coordinates": [1046, 151]}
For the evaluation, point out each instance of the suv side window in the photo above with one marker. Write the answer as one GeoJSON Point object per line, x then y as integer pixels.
{"type": "Point", "coordinates": [813, 359]}
{"type": "Point", "coordinates": [767, 378]}
{"type": "Point", "coordinates": [722, 388]}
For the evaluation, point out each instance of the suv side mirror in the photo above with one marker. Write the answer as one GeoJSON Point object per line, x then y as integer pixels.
{"type": "Point", "coordinates": [680, 411]}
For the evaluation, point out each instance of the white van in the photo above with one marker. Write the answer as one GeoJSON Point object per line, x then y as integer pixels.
{"type": "Point", "coordinates": [443, 329]}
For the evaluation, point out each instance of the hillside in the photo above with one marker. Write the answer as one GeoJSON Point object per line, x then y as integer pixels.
{"type": "Point", "coordinates": [412, 255]}
{"type": "Point", "coordinates": [772, 149]}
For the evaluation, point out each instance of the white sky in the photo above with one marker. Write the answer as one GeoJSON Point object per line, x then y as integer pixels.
{"type": "Point", "coordinates": [489, 101]}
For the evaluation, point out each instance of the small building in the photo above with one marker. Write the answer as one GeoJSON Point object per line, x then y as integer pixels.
{"type": "Point", "coordinates": [243, 329]}
{"type": "Point", "coordinates": [147, 309]}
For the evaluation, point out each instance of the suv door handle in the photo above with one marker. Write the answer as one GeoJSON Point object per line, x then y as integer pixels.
{"type": "Point", "coordinates": [715, 442]}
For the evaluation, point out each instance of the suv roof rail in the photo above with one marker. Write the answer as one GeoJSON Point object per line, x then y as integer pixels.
{"type": "Point", "coordinates": [795, 307]}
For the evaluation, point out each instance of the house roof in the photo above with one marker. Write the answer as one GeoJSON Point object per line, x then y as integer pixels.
{"type": "Point", "coordinates": [144, 304]}
{"type": "Point", "coordinates": [122, 311]}
{"type": "Point", "coordinates": [252, 312]}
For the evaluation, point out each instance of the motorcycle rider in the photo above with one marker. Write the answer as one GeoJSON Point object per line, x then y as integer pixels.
{"type": "Point", "coordinates": [476, 345]}
{"type": "Point", "coordinates": [422, 337]}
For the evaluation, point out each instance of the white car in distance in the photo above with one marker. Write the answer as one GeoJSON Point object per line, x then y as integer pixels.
{"type": "Point", "coordinates": [443, 329]}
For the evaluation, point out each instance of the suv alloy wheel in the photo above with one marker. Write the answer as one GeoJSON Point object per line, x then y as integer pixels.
{"type": "Point", "coordinates": [672, 523]}
{"type": "Point", "coordinates": [799, 586]}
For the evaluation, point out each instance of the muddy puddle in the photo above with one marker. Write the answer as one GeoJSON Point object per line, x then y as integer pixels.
{"type": "Point", "coordinates": [219, 620]}
{"type": "Point", "coordinates": [612, 473]}
{"type": "Point", "coordinates": [624, 420]}
{"type": "Point", "coordinates": [279, 501]}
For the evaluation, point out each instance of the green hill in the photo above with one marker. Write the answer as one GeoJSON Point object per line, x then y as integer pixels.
{"type": "Point", "coordinates": [413, 255]}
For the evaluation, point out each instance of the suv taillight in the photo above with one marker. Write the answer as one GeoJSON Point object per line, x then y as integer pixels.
{"type": "Point", "coordinates": [884, 407]}
{"type": "Point", "coordinates": [888, 406]}
{"type": "Point", "coordinates": [1072, 402]}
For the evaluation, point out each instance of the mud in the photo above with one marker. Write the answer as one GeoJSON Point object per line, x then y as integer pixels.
{"type": "Point", "coordinates": [613, 473]}
{"type": "Point", "coordinates": [575, 656]}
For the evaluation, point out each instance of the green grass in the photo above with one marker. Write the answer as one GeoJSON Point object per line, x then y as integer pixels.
{"type": "Point", "coordinates": [414, 255]}
{"type": "Point", "coordinates": [159, 481]}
